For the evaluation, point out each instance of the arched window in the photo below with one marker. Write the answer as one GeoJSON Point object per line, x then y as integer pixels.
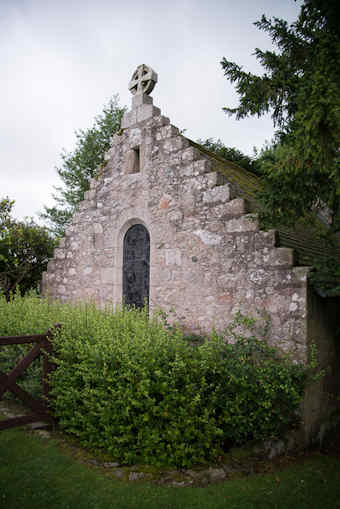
{"type": "Point", "coordinates": [136, 266]}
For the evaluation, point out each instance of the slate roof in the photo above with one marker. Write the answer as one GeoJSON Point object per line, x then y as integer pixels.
{"type": "Point", "coordinates": [303, 239]}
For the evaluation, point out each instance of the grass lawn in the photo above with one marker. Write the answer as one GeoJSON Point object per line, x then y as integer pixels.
{"type": "Point", "coordinates": [36, 474]}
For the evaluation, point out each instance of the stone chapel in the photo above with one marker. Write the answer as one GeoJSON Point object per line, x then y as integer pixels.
{"type": "Point", "coordinates": [167, 223]}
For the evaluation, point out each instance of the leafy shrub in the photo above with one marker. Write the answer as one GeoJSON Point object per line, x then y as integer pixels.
{"type": "Point", "coordinates": [142, 393]}
{"type": "Point", "coordinates": [128, 385]}
{"type": "Point", "coordinates": [22, 316]}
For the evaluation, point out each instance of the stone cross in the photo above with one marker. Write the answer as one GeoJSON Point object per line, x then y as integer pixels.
{"type": "Point", "coordinates": [143, 80]}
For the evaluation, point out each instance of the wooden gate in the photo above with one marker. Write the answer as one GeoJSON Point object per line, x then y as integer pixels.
{"type": "Point", "coordinates": [43, 346]}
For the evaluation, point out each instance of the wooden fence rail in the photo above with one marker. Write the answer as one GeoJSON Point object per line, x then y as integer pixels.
{"type": "Point", "coordinates": [43, 346]}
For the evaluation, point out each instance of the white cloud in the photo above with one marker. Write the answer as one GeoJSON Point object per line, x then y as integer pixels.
{"type": "Point", "coordinates": [61, 61]}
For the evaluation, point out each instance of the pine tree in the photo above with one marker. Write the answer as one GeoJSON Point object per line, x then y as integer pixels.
{"type": "Point", "coordinates": [301, 88]}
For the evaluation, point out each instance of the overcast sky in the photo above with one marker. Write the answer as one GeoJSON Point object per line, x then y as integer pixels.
{"type": "Point", "coordinates": [62, 60]}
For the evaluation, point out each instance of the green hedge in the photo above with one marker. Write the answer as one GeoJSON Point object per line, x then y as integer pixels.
{"type": "Point", "coordinates": [24, 316]}
{"type": "Point", "coordinates": [126, 384]}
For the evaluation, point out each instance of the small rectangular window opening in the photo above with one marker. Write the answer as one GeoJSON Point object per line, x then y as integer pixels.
{"type": "Point", "coordinates": [136, 160]}
{"type": "Point", "coordinates": [132, 161]}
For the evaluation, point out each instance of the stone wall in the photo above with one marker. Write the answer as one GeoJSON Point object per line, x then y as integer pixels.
{"type": "Point", "coordinates": [321, 400]}
{"type": "Point", "coordinates": [208, 258]}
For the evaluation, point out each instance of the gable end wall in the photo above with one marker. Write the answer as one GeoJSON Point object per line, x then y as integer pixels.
{"type": "Point", "coordinates": [208, 258]}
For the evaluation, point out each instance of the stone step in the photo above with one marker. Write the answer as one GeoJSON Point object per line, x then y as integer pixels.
{"type": "Point", "coordinates": [246, 223]}
{"type": "Point", "coordinates": [219, 194]}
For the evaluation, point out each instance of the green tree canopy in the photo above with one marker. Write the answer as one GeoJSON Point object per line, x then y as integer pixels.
{"type": "Point", "coordinates": [81, 164]}
{"type": "Point", "coordinates": [300, 87]}
{"type": "Point", "coordinates": [25, 248]}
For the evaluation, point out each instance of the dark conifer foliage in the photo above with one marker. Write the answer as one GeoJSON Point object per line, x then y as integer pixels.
{"type": "Point", "coordinates": [300, 87]}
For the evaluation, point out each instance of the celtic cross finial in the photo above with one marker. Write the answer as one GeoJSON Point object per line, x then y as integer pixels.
{"type": "Point", "coordinates": [143, 80]}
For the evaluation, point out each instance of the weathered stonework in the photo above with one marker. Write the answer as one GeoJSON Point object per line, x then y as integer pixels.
{"type": "Point", "coordinates": [208, 257]}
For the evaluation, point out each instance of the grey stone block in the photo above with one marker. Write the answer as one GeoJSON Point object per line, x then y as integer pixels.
{"type": "Point", "coordinates": [247, 223]}
{"type": "Point", "coordinates": [140, 99]}
{"type": "Point", "coordinates": [220, 194]}
{"type": "Point", "coordinates": [147, 111]}
{"type": "Point", "coordinates": [236, 207]}
{"type": "Point", "coordinates": [281, 256]}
